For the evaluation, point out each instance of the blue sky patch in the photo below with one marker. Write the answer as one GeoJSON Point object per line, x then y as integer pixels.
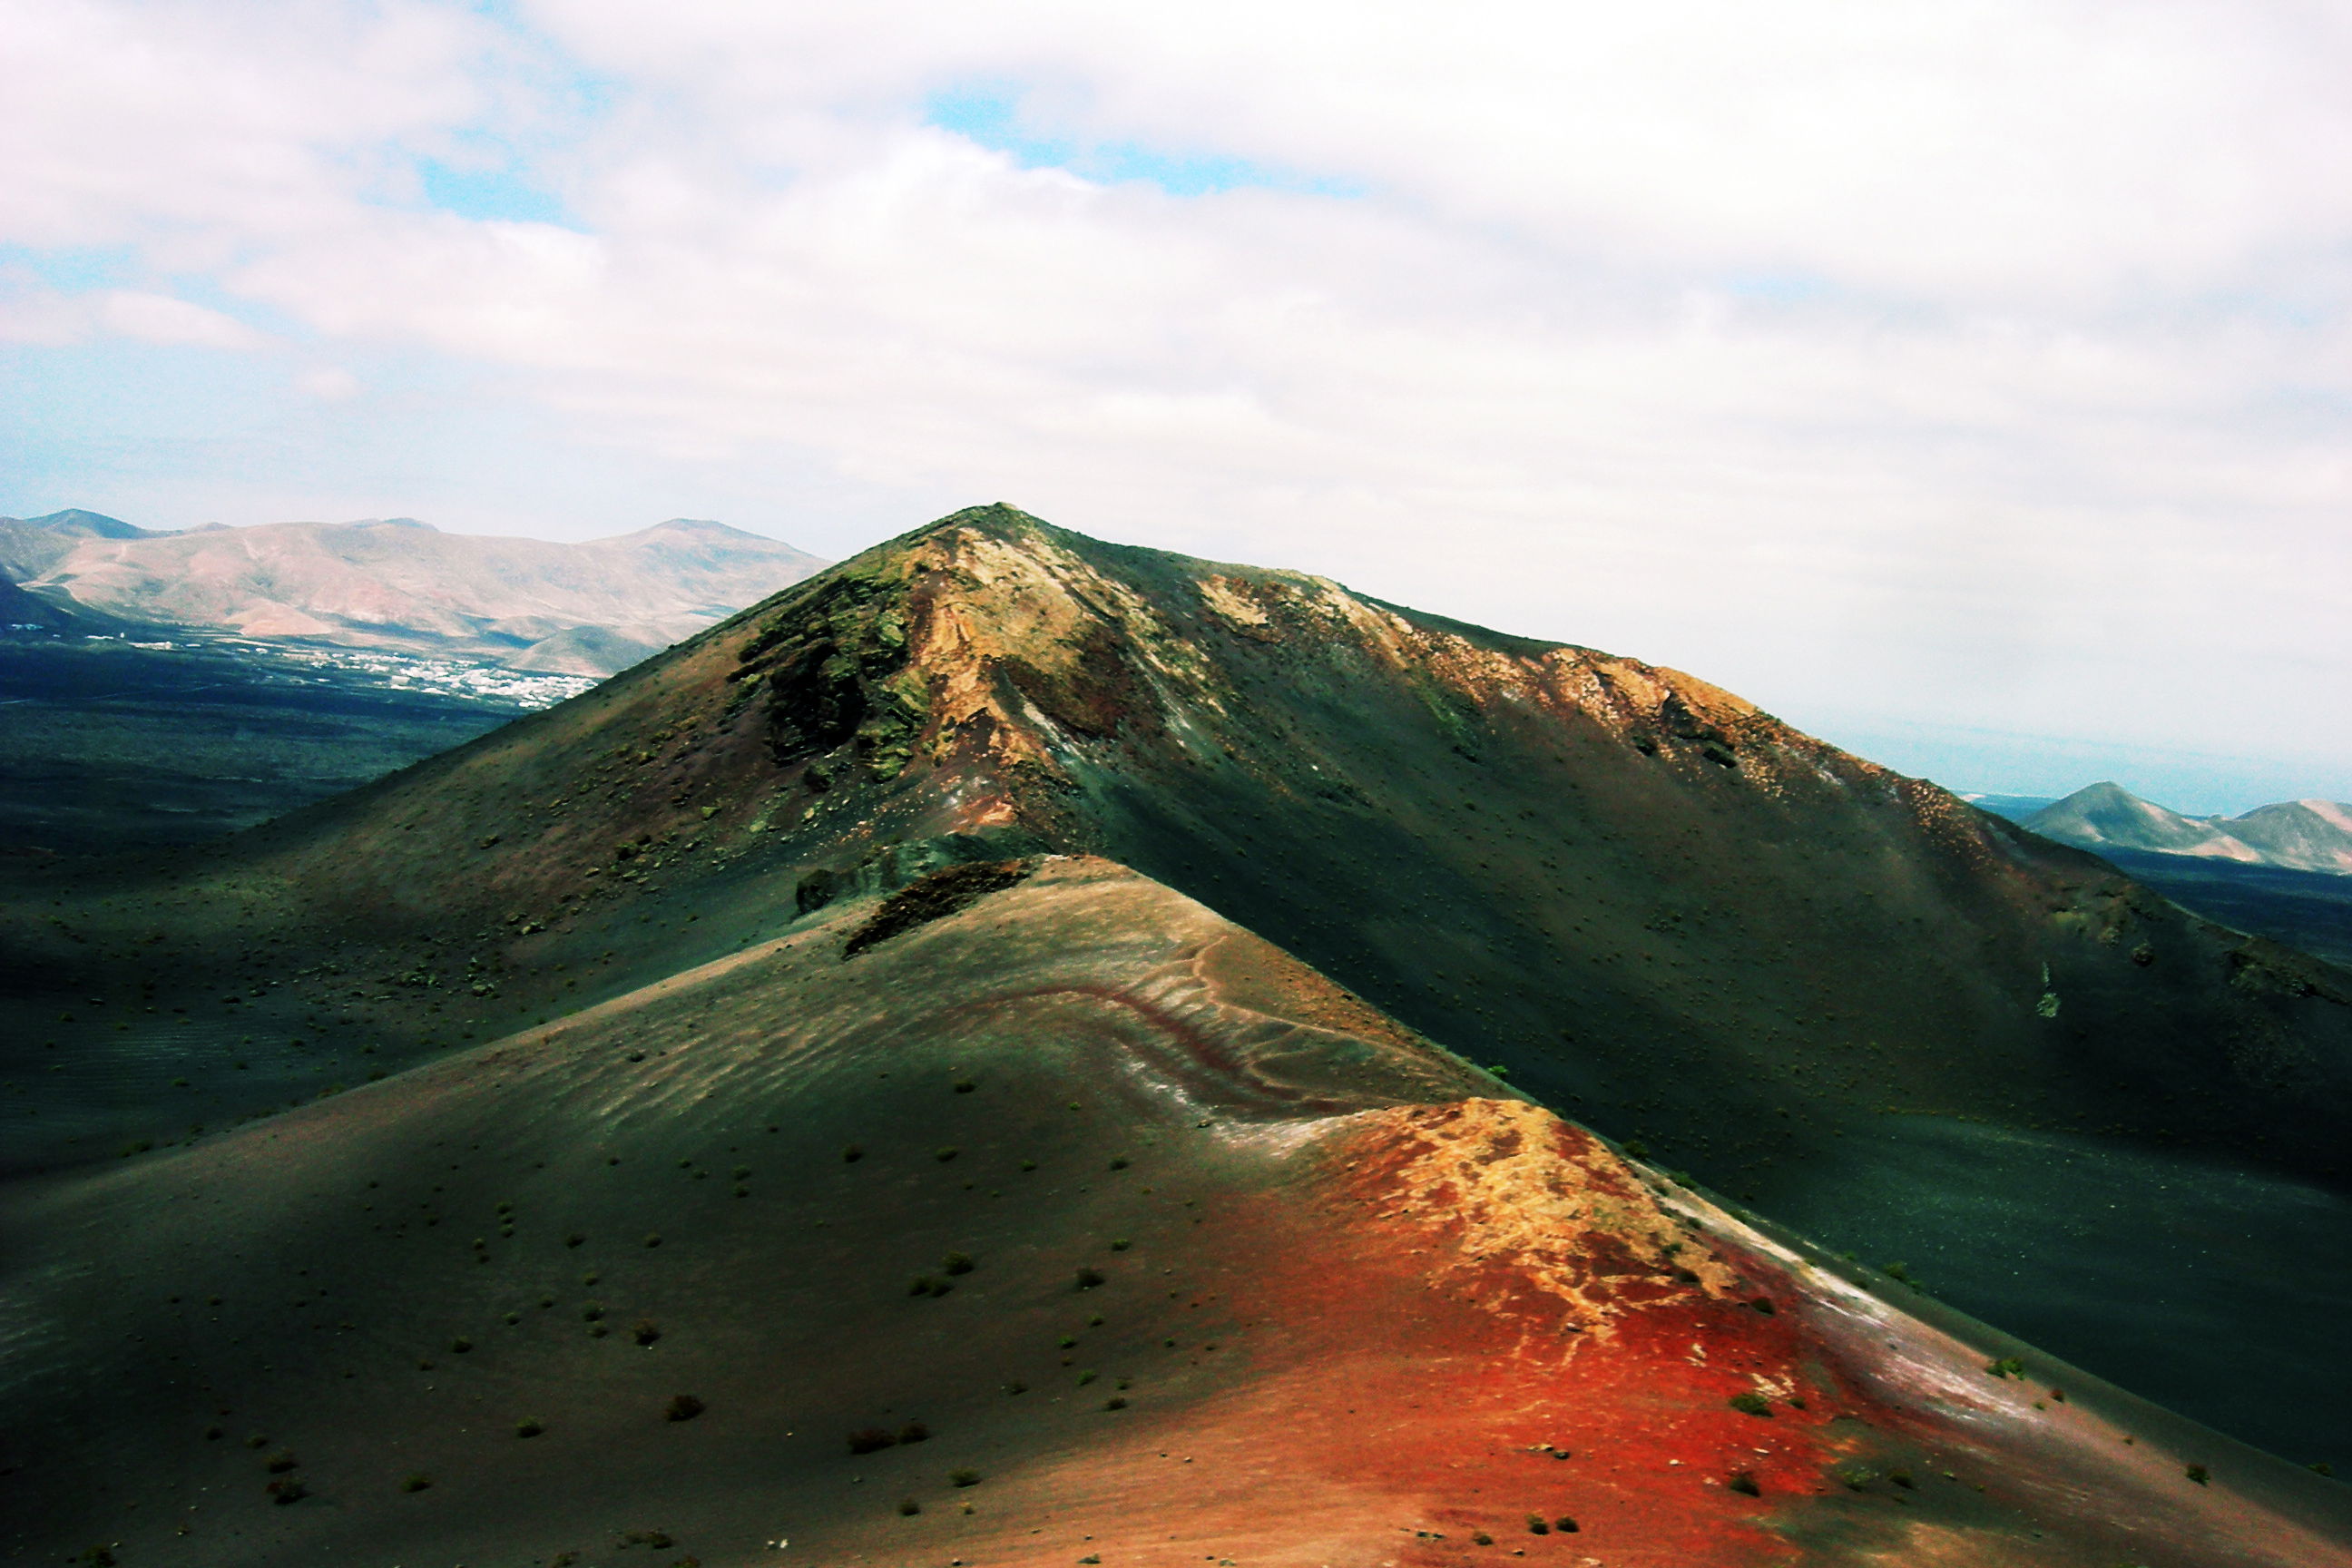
{"type": "Point", "coordinates": [992, 118]}
{"type": "Point", "coordinates": [488, 195]}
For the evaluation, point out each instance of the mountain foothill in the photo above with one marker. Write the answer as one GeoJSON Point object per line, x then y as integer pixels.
{"type": "Point", "coordinates": [1020, 1050]}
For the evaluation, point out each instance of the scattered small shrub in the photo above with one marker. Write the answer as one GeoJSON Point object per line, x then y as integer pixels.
{"type": "Point", "coordinates": [1566, 1525]}
{"type": "Point", "coordinates": [914, 1432]}
{"type": "Point", "coordinates": [97, 1557]}
{"type": "Point", "coordinates": [1480, 1538]}
{"type": "Point", "coordinates": [461, 1346]}
{"type": "Point", "coordinates": [282, 1462]}
{"type": "Point", "coordinates": [1902, 1478]}
{"type": "Point", "coordinates": [256, 1441]}
{"type": "Point", "coordinates": [928, 1285]}
{"type": "Point", "coordinates": [965, 1086]}
{"type": "Point", "coordinates": [1067, 1341]}
{"type": "Point", "coordinates": [512, 1318]}
{"type": "Point", "coordinates": [287, 1488]}
{"type": "Point", "coordinates": [574, 1239]}
{"type": "Point", "coordinates": [682, 1408]}
{"type": "Point", "coordinates": [1028, 1164]}
{"type": "Point", "coordinates": [1750, 1403]}
{"type": "Point", "coordinates": [1114, 1403]}
{"type": "Point", "coordinates": [1089, 1278]}
{"type": "Point", "coordinates": [1764, 1305]}
{"type": "Point", "coordinates": [1539, 1525]}
{"type": "Point", "coordinates": [957, 1263]}
{"type": "Point", "coordinates": [870, 1440]}
{"type": "Point", "coordinates": [652, 1238]}
{"type": "Point", "coordinates": [1016, 1386]}
{"type": "Point", "coordinates": [963, 1478]}
{"type": "Point", "coordinates": [909, 1508]}
{"type": "Point", "coordinates": [852, 1154]}
{"type": "Point", "coordinates": [1121, 1244]}
{"type": "Point", "coordinates": [659, 1539]}
{"type": "Point", "coordinates": [418, 1482]}
{"type": "Point", "coordinates": [647, 1332]}
{"type": "Point", "coordinates": [529, 1427]}
{"type": "Point", "coordinates": [944, 1155]}
{"type": "Point", "coordinates": [2008, 1366]}
{"type": "Point", "coordinates": [2199, 1474]}
{"type": "Point", "coordinates": [1119, 1162]}
{"type": "Point", "coordinates": [212, 1434]}
{"type": "Point", "coordinates": [1744, 1483]}
{"type": "Point", "coordinates": [591, 1312]}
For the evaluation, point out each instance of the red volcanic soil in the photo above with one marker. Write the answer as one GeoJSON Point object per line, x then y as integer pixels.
{"type": "Point", "coordinates": [1128, 1237]}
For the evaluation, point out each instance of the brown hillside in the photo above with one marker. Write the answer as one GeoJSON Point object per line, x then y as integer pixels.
{"type": "Point", "coordinates": [1661, 908]}
{"type": "Point", "coordinates": [1069, 1224]}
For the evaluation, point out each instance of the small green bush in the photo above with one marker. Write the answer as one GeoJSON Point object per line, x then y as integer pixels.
{"type": "Point", "coordinates": [1744, 1483]}
{"type": "Point", "coordinates": [944, 1155]}
{"type": "Point", "coordinates": [529, 1427]}
{"type": "Point", "coordinates": [461, 1346]}
{"type": "Point", "coordinates": [418, 1482]}
{"type": "Point", "coordinates": [2008, 1366]}
{"type": "Point", "coordinates": [288, 1490]}
{"type": "Point", "coordinates": [1089, 1278]}
{"type": "Point", "coordinates": [647, 1331]}
{"type": "Point", "coordinates": [957, 1263]}
{"type": "Point", "coordinates": [852, 1154]}
{"type": "Point", "coordinates": [1121, 1245]}
{"type": "Point", "coordinates": [1750, 1403]}
{"type": "Point", "coordinates": [281, 1461]}
{"type": "Point", "coordinates": [966, 1478]}
{"type": "Point", "coordinates": [2199, 1474]}
{"type": "Point", "coordinates": [909, 1508]}
{"type": "Point", "coordinates": [1539, 1525]}
{"type": "Point", "coordinates": [682, 1408]}
{"type": "Point", "coordinates": [870, 1440]}
{"type": "Point", "coordinates": [914, 1432]}
{"type": "Point", "coordinates": [1566, 1525]}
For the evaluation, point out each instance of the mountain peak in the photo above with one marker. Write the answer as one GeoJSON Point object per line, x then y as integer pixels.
{"type": "Point", "coordinates": [73, 520]}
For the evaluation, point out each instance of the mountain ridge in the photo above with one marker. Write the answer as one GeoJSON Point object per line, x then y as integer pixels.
{"type": "Point", "coordinates": [2300, 835]}
{"type": "Point", "coordinates": [1728, 946]}
{"type": "Point", "coordinates": [400, 584]}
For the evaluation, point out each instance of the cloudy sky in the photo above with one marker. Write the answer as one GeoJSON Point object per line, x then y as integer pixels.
{"type": "Point", "coordinates": [1971, 382]}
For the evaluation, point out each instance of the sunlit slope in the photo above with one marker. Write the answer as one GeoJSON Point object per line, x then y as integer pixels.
{"type": "Point", "coordinates": [1046, 1180]}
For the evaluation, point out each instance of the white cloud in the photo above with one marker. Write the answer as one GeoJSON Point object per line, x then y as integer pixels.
{"type": "Point", "coordinates": [329, 383]}
{"type": "Point", "coordinates": [35, 314]}
{"type": "Point", "coordinates": [1986, 360]}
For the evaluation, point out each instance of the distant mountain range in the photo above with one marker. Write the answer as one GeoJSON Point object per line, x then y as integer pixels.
{"type": "Point", "coordinates": [2296, 834]}
{"type": "Point", "coordinates": [593, 608]}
